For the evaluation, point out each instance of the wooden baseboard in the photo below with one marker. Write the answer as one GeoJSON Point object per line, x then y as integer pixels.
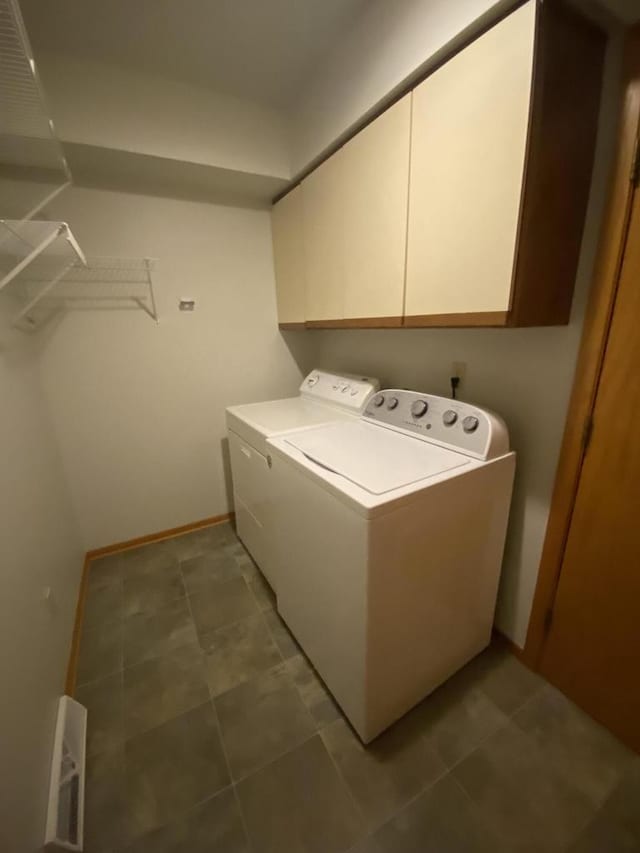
{"type": "Point", "coordinates": [72, 666]}
{"type": "Point", "coordinates": [515, 650]}
{"type": "Point", "coordinates": [159, 536]}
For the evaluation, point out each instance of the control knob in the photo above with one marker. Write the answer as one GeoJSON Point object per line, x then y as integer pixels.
{"type": "Point", "coordinates": [470, 423]}
{"type": "Point", "coordinates": [378, 400]}
{"type": "Point", "coordinates": [419, 408]}
{"type": "Point", "coordinates": [449, 418]}
{"type": "Point", "coordinates": [392, 403]}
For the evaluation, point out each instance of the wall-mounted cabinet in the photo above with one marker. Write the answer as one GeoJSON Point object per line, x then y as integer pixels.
{"type": "Point", "coordinates": [288, 259]}
{"type": "Point", "coordinates": [468, 144]}
{"type": "Point", "coordinates": [323, 240]}
{"type": "Point", "coordinates": [375, 191]}
{"type": "Point", "coordinates": [462, 204]}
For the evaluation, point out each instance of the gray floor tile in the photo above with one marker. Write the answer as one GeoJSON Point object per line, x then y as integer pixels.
{"type": "Point", "coordinates": [586, 754]}
{"type": "Point", "coordinates": [387, 773]}
{"type": "Point", "coordinates": [321, 704]}
{"type": "Point", "coordinates": [246, 565]}
{"type": "Point", "coordinates": [501, 677]}
{"type": "Point", "coordinates": [298, 804]}
{"type": "Point", "coordinates": [103, 604]}
{"type": "Point", "coordinates": [284, 639]}
{"type": "Point", "coordinates": [457, 717]}
{"type": "Point", "coordinates": [521, 795]}
{"type": "Point", "coordinates": [100, 652]}
{"type": "Point", "coordinates": [616, 826]}
{"type": "Point", "coordinates": [162, 688]}
{"type": "Point", "coordinates": [104, 701]}
{"type": "Point", "coordinates": [147, 558]}
{"type": "Point", "coordinates": [173, 767]}
{"type": "Point", "coordinates": [263, 593]}
{"type": "Point", "coordinates": [149, 635]}
{"type": "Point", "coordinates": [441, 820]}
{"type": "Point", "coordinates": [208, 568]}
{"type": "Point", "coordinates": [238, 653]}
{"type": "Point", "coordinates": [106, 826]}
{"type": "Point", "coordinates": [261, 719]}
{"type": "Point", "coordinates": [105, 571]}
{"type": "Point", "coordinates": [146, 590]}
{"type": "Point", "coordinates": [215, 826]}
{"type": "Point", "coordinates": [202, 541]}
{"type": "Point", "coordinates": [217, 605]}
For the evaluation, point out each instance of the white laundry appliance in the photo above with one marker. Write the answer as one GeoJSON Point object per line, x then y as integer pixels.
{"type": "Point", "coordinates": [391, 536]}
{"type": "Point", "coordinates": [324, 398]}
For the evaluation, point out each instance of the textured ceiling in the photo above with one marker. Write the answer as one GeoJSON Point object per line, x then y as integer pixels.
{"type": "Point", "coordinates": [264, 50]}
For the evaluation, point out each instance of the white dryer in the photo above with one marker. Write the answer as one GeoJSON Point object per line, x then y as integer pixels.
{"type": "Point", "coordinates": [391, 536]}
{"type": "Point", "coordinates": [324, 398]}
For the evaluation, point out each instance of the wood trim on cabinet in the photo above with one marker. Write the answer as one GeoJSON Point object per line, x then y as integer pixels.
{"type": "Point", "coordinates": [72, 666]}
{"type": "Point", "coordinates": [292, 327]}
{"type": "Point", "coordinates": [454, 321]}
{"type": "Point", "coordinates": [591, 354]}
{"type": "Point", "coordinates": [565, 104]}
{"type": "Point", "coordinates": [357, 323]}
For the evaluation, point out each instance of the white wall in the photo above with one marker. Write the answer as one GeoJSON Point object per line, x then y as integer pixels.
{"type": "Point", "coordinates": [388, 45]}
{"type": "Point", "coordinates": [97, 104]}
{"type": "Point", "coordinates": [139, 407]}
{"type": "Point", "coordinates": [523, 374]}
{"type": "Point", "coordinates": [39, 547]}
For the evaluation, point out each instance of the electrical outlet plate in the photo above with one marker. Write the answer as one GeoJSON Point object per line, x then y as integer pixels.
{"type": "Point", "coordinates": [187, 304]}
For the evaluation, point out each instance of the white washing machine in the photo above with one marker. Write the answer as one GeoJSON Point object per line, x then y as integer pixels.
{"type": "Point", "coordinates": [391, 536]}
{"type": "Point", "coordinates": [324, 398]}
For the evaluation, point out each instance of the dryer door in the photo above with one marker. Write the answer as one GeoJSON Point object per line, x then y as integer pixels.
{"type": "Point", "coordinates": [252, 497]}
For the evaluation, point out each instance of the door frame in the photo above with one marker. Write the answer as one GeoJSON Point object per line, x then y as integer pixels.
{"type": "Point", "coordinates": [591, 353]}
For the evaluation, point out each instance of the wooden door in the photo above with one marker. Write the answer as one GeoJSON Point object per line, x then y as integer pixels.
{"type": "Point", "coordinates": [468, 150]}
{"type": "Point", "coordinates": [376, 176]}
{"type": "Point", "coordinates": [592, 649]}
{"type": "Point", "coordinates": [288, 258]}
{"type": "Point", "coordinates": [323, 226]}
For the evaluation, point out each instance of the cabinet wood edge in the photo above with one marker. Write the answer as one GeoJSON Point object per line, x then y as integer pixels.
{"type": "Point", "coordinates": [292, 327]}
{"type": "Point", "coordinates": [477, 320]}
{"type": "Point", "coordinates": [357, 323]}
{"type": "Point", "coordinates": [452, 321]}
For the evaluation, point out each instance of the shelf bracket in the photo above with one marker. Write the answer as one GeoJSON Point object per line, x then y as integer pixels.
{"type": "Point", "coordinates": [23, 314]}
{"type": "Point", "coordinates": [45, 201]}
{"type": "Point", "coordinates": [49, 239]}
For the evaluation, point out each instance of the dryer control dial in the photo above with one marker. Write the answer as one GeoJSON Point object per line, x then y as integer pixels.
{"type": "Point", "coordinates": [449, 418]}
{"type": "Point", "coordinates": [470, 423]}
{"type": "Point", "coordinates": [378, 400]}
{"type": "Point", "coordinates": [419, 409]}
{"type": "Point", "coordinates": [392, 403]}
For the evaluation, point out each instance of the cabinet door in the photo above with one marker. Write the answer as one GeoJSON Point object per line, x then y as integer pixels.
{"type": "Point", "coordinates": [376, 187]}
{"type": "Point", "coordinates": [286, 230]}
{"type": "Point", "coordinates": [468, 146]}
{"type": "Point", "coordinates": [323, 225]}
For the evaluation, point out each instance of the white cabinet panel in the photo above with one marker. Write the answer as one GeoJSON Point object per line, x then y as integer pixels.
{"type": "Point", "coordinates": [323, 225]}
{"type": "Point", "coordinates": [288, 257]}
{"type": "Point", "coordinates": [468, 148]}
{"type": "Point", "coordinates": [376, 187]}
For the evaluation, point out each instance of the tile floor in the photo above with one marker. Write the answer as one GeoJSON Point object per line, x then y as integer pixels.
{"type": "Point", "coordinates": [209, 732]}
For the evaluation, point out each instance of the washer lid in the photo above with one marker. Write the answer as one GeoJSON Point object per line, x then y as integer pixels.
{"type": "Point", "coordinates": [276, 416]}
{"type": "Point", "coordinates": [374, 458]}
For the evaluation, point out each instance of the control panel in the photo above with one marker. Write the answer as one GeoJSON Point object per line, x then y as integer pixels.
{"type": "Point", "coordinates": [343, 390]}
{"type": "Point", "coordinates": [448, 423]}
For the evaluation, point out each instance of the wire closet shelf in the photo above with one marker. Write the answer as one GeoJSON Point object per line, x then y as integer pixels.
{"type": "Point", "coordinates": [46, 271]}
